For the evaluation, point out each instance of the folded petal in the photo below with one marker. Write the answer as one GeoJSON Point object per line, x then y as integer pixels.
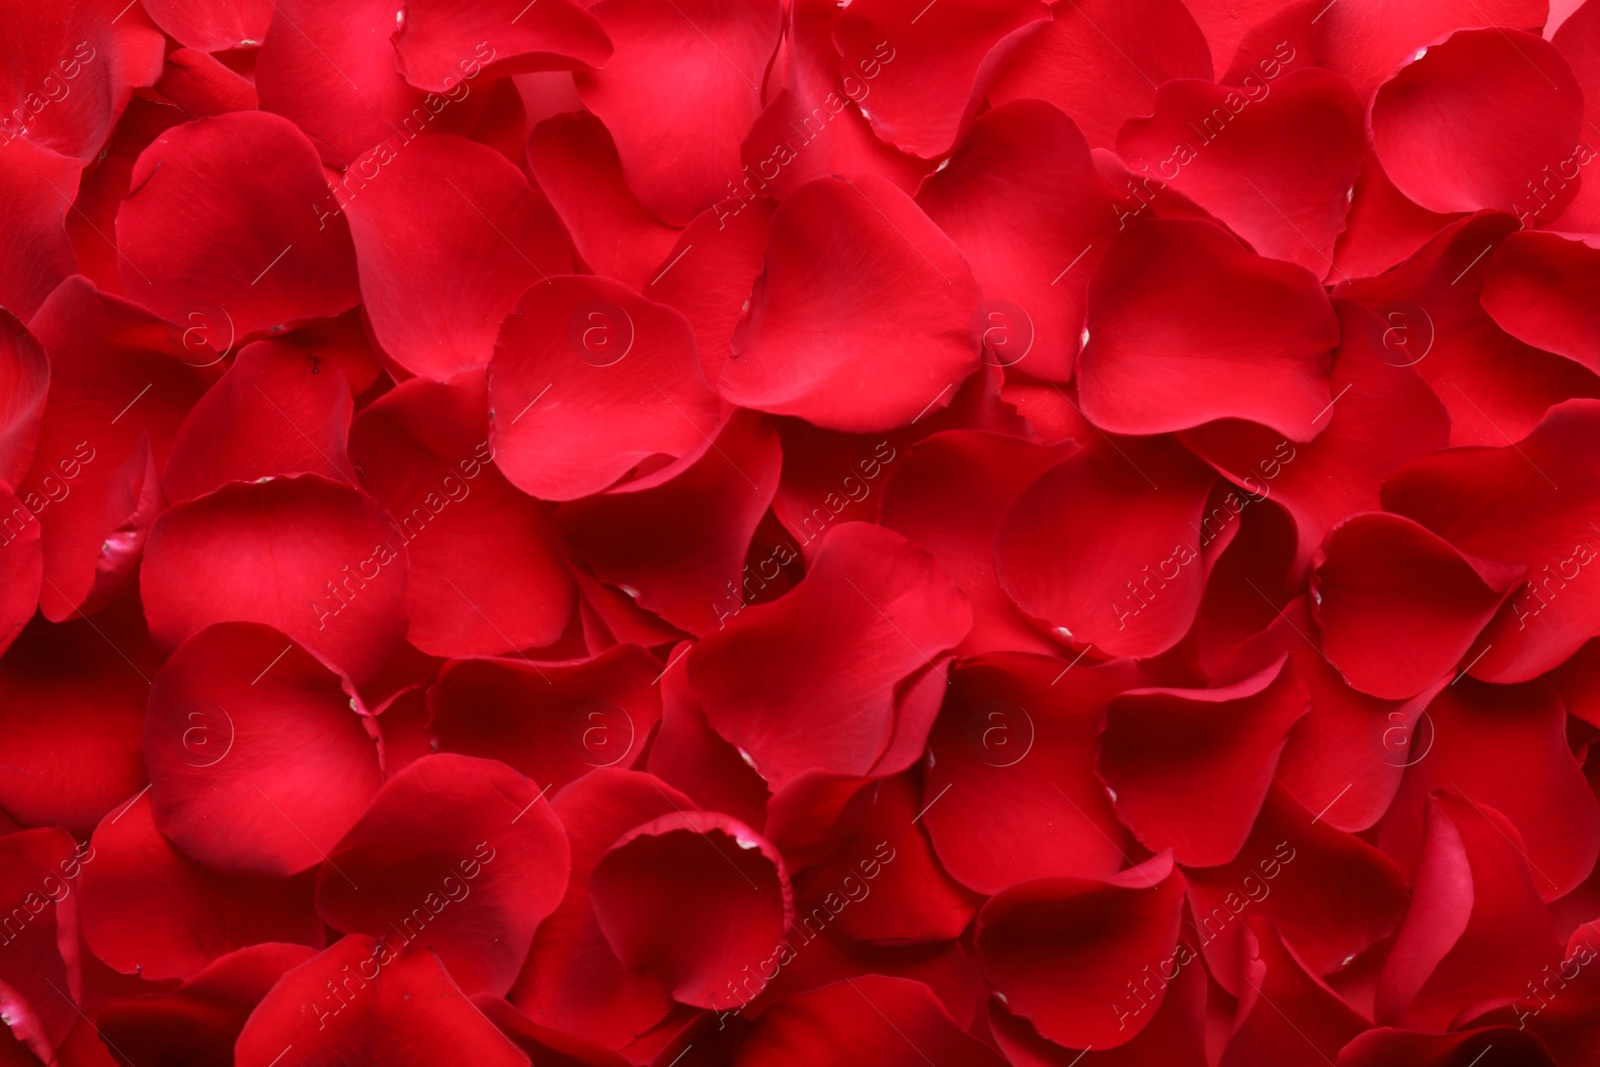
{"type": "Point", "coordinates": [440, 42]}
{"type": "Point", "coordinates": [1536, 289]}
{"type": "Point", "coordinates": [691, 756]}
{"type": "Point", "coordinates": [213, 26]}
{"type": "Point", "coordinates": [1383, 226]}
{"type": "Point", "coordinates": [37, 187]}
{"type": "Point", "coordinates": [39, 870]}
{"type": "Point", "coordinates": [1283, 1008]}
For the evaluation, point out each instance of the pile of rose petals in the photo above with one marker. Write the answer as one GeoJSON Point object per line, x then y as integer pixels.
{"type": "Point", "coordinates": [795, 533]}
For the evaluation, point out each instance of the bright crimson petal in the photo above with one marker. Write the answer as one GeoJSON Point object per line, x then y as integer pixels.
{"type": "Point", "coordinates": [442, 42]}
{"type": "Point", "coordinates": [213, 25]}
{"type": "Point", "coordinates": [1538, 289]}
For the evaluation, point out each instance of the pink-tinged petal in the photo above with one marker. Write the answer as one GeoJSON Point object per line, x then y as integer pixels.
{"type": "Point", "coordinates": [933, 76]}
{"type": "Point", "coordinates": [949, 496]}
{"type": "Point", "coordinates": [200, 1020]}
{"type": "Point", "coordinates": [1186, 325]}
{"type": "Point", "coordinates": [224, 214]}
{"type": "Point", "coordinates": [1397, 605]}
{"type": "Point", "coordinates": [366, 1000]}
{"type": "Point", "coordinates": [554, 722]}
{"type": "Point", "coordinates": [202, 85]}
{"type": "Point", "coordinates": [1129, 580]}
{"type": "Point", "coordinates": [447, 239]}
{"type": "Point", "coordinates": [1384, 1046]}
{"type": "Point", "coordinates": [455, 854]}
{"type": "Point", "coordinates": [1011, 760]}
{"type": "Point", "coordinates": [582, 360]}
{"type": "Point", "coordinates": [862, 350]}
{"type": "Point", "coordinates": [37, 187]}
{"type": "Point", "coordinates": [575, 161]}
{"type": "Point", "coordinates": [1188, 769]}
{"type": "Point", "coordinates": [1275, 162]}
{"type": "Point", "coordinates": [275, 411]}
{"type": "Point", "coordinates": [24, 383]}
{"type": "Point", "coordinates": [1504, 747]}
{"type": "Point", "coordinates": [1330, 895]}
{"type": "Point", "coordinates": [1538, 289]}
{"type": "Point", "coordinates": [71, 68]}
{"type": "Point", "coordinates": [1384, 415]}
{"type": "Point", "coordinates": [1495, 387]}
{"type": "Point", "coordinates": [1100, 61]}
{"type": "Point", "coordinates": [1467, 124]}
{"type": "Point", "coordinates": [876, 1019]}
{"type": "Point", "coordinates": [1365, 40]}
{"type": "Point", "coordinates": [1476, 929]}
{"type": "Point", "coordinates": [213, 25]}
{"type": "Point", "coordinates": [1058, 950]}
{"type": "Point", "coordinates": [309, 556]}
{"type": "Point", "coordinates": [676, 540]}
{"type": "Point", "coordinates": [1383, 227]}
{"type": "Point", "coordinates": [150, 910]}
{"type": "Point", "coordinates": [877, 607]}
{"type": "Point", "coordinates": [718, 923]}
{"type": "Point", "coordinates": [572, 980]}
{"type": "Point", "coordinates": [1023, 201]}
{"type": "Point", "coordinates": [260, 756]}
{"type": "Point", "coordinates": [1283, 1009]}
{"type": "Point", "coordinates": [1505, 504]}
{"type": "Point", "coordinates": [699, 62]}
{"type": "Point", "coordinates": [39, 871]}
{"type": "Point", "coordinates": [72, 699]}
{"type": "Point", "coordinates": [688, 754]}
{"type": "Point", "coordinates": [442, 42]}
{"type": "Point", "coordinates": [486, 576]}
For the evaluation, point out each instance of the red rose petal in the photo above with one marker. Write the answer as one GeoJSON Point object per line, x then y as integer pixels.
{"type": "Point", "coordinates": [460, 856]}
{"type": "Point", "coordinates": [1578, 40]}
{"type": "Point", "coordinates": [1057, 948]}
{"type": "Point", "coordinates": [306, 555]}
{"type": "Point", "coordinates": [690, 755]}
{"type": "Point", "coordinates": [260, 756]}
{"type": "Point", "coordinates": [858, 351]}
{"type": "Point", "coordinates": [1384, 1046]}
{"type": "Point", "coordinates": [445, 203]}
{"type": "Point", "coordinates": [202, 85]}
{"type": "Point", "coordinates": [1537, 288]}
{"type": "Point", "coordinates": [1468, 123]}
{"type": "Point", "coordinates": [21, 566]}
{"type": "Point", "coordinates": [37, 187]}
{"type": "Point", "coordinates": [1278, 991]}
{"type": "Point", "coordinates": [548, 1048]}
{"type": "Point", "coordinates": [38, 872]}
{"type": "Point", "coordinates": [1383, 227]}
{"type": "Point", "coordinates": [215, 26]}
{"type": "Point", "coordinates": [442, 42]}
{"type": "Point", "coordinates": [1185, 774]}
{"type": "Point", "coordinates": [1226, 23]}
{"type": "Point", "coordinates": [878, 607]}
{"type": "Point", "coordinates": [1186, 326]}
{"type": "Point", "coordinates": [24, 383]}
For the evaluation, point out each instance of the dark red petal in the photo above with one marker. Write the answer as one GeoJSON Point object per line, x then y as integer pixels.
{"type": "Point", "coordinates": [447, 237]}
{"type": "Point", "coordinates": [572, 980]}
{"type": "Point", "coordinates": [202, 85]}
{"type": "Point", "coordinates": [1504, 504]}
{"type": "Point", "coordinates": [616, 367]}
{"type": "Point", "coordinates": [1282, 1008]}
{"type": "Point", "coordinates": [1100, 61]}
{"type": "Point", "coordinates": [21, 566]}
{"type": "Point", "coordinates": [362, 1000]}
{"type": "Point", "coordinates": [702, 62]}
{"type": "Point", "coordinates": [878, 607]}
{"type": "Point", "coordinates": [306, 555]}
{"type": "Point", "coordinates": [1058, 951]}
{"type": "Point", "coordinates": [485, 575]}
{"type": "Point", "coordinates": [1495, 387]}
{"type": "Point", "coordinates": [1011, 760]}
{"type": "Point", "coordinates": [1537, 289]}
{"type": "Point", "coordinates": [460, 855]}
{"type": "Point", "coordinates": [575, 161]}
{"type": "Point", "coordinates": [70, 71]}
{"type": "Point", "coordinates": [1384, 416]}
{"type": "Point", "coordinates": [275, 411]}
{"type": "Point", "coordinates": [548, 1048]}
{"type": "Point", "coordinates": [1188, 769]}
{"type": "Point", "coordinates": [1023, 201]}
{"type": "Point", "coordinates": [440, 43]}
{"type": "Point", "coordinates": [1275, 161]}
{"type": "Point", "coordinates": [553, 722]}
{"type": "Point", "coordinates": [1468, 123]}
{"type": "Point", "coordinates": [232, 213]}
{"type": "Point", "coordinates": [38, 873]}
{"type": "Point", "coordinates": [693, 757]}
{"type": "Point", "coordinates": [1383, 227]}
{"type": "Point", "coordinates": [876, 1019]}
{"type": "Point", "coordinates": [152, 911]}
{"type": "Point", "coordinates": [260, 756]}
{"type": "Point", "coordinates": [1398, 605]}
{"type": "Point", "coordinates": [1330, 895]}
{"type": "Point", "coordinates": [214, 26]}
{"type": "Point", "coordinates": [862, 350]}
{"type": "Point", "coordinates": [37, 187]}
{"type": "Point", "coordinates": [1147, 498]}
{"type": "Point", "coordinates": [676, 540]}
{"type": "Point", "coordinates": [933, 77]}
{"type": "Point", "coordinates": [1476, 929]}
{"type": "Point", "coordinates": [1186, 325]}
{"type": "Point", "coordinates": [1504, 747]}
{"type": "Point", "coordinates": [1383, 1047]}
{"type": "Point", "coordinates": [724, 914]}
